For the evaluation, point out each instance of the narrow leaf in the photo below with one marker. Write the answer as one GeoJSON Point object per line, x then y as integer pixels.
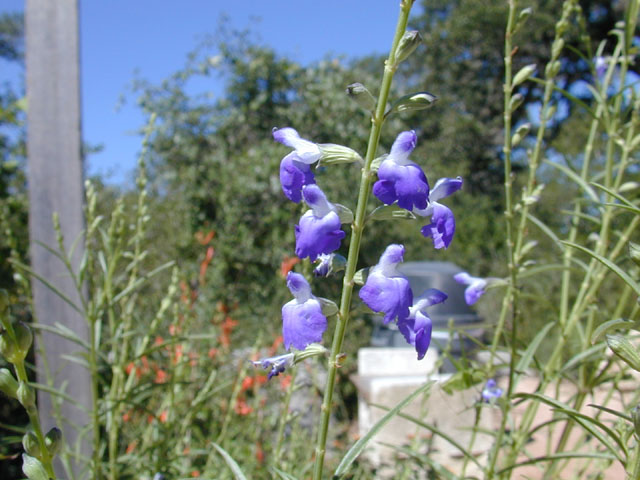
{"type": "Point", "coordinates": [576, 179]}
{"type": "Point", "coordinates": [609, 264]}
{"type": "Point", "coordinates": [357, 448]}
{"type": "Point", "coordinates": [618, 323]}
{"type": "Point", "coordinates": [525, 360]}
{"type": "Point", "coordinates": [231, 463]}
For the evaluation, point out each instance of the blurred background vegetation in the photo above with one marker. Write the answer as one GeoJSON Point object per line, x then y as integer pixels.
{"type": "Point", "coordinates": [213, 166]}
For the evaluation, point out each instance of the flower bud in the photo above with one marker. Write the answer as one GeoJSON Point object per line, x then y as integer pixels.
{"type": "Point", "coordinates": [31, 444]}
{"type": "Point", "coordinates": [521, 132]}
{"type": "Point", "coordinates": [359, 94]}
{"type": "Point", "coordinates": [552, 69]}
{"type": "Point", "coordinates": [516, 101]}
{"type": "Point", "coordinates": [556, 48]}
{"type": "Point", "coordinates": [24, 338]}
{"type": "Point", "coordinates": [414, 101]}
{"type": "Point", "coordinates": [26, 395]}
{"type": "Point", "coordinates": [408, 43]}
{"type": "Point", "coordinates": [524, 74]}
{"type": "Point", "coordinates": [53, 440]}
{"type": "Point", "coordinates": [8, 347]}
{"type": "Point", "coordinates": [334, 154]}
{"type": "Point", "coordinates": [8, 384]}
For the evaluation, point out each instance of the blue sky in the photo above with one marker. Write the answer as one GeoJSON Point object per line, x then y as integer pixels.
{"type": "Point", "coordinates": [152, 37]}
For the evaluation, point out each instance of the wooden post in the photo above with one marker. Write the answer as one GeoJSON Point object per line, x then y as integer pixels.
{"type": "Point", "coordinates": [55, 180]}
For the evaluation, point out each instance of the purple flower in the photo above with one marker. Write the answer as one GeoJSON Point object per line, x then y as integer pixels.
{"type": "Point", "coordinates": [302, 319]}
{"type": "Point", "coordinates": [399, 178]}
{"type": "Point", "coordinates": [491, 391]}
{"type": "Point", "coordinates": [443, 224]}
{"type": "Point", "coordinates": [417, 327]}
{"type": "Point", "coordinates": [295, 169]}
{"type": "Point", "coordinates": [475, 289]}
{"type": "Point", "coordinates": [387, 290]}
{"type": "Point", "coordinates": [276, 364]}
{"type": "Point", "coordinates": [601, 66]}
{"type": "Point", "coordinates": [319, 229]}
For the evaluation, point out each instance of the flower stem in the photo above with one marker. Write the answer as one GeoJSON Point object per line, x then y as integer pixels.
{"type": "Point", "coordinates": [356, 236]}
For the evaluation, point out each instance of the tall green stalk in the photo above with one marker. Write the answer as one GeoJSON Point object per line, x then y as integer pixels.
{"type": "Point", "coordinates": [356, 235]}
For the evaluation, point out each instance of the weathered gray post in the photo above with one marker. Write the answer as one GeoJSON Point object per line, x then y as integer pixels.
{"type": "Point", "coordinates": [55, 179]}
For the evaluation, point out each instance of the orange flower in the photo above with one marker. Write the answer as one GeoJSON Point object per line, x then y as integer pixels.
{"type": "Point", "coordinates": [159, 341]}
{"type": "Point", "coordinates": [259, 453]}
{"type": "Point", "coordinates": [161, 376]}
{"type": "Point", "coordinates": [205, 264]}
{"type": "Point", "coordinates": [132, 446]}
{"type": "Point", "coordinates": [287, 264]}
{"type": "Point", "coordinates": [204, 238]}
{"type": "Point", "coordinates": [227, 328]}
{"type": "Point", "coordinates": [126, 416]}
{"type": "Point", "coordinates": [164, 416]}
{"type": "Point", "coordinates": [213, 352]}
{"type": "Point", "coordinates": [247, 383]}
{"type": "Point", "coordinates": [241, 407]}
{"type": "Point", "coordinates": [195, 473]}
{"type": "Point", "coordinates": [177, 355]}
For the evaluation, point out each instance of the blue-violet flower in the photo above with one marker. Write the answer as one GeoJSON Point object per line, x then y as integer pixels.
{"type": "Point", "coordinates": [491, 391]}
{"type": "Point", "coordinates": [276, 364]}
{"type": "Point", "coordinates": [302, 319]}
{"type": "Point", "coordinates": [401, 179]}
{"type": "Point", "coordinates": [417, 327]}
{"type": "Point", "coordinates": [295, 168]}
{"type": "Point", "coordinates": [443, 224]}
{"type": "Point", "coordinates": [386, 289]}
{"type": "Point", "coordinates": [475, 289]}
{"type": "Point", "coordinates": [319, 229]}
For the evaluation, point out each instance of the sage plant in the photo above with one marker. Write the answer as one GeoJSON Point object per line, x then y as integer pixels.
{"type": "Point", "coordinates": [402, 188]}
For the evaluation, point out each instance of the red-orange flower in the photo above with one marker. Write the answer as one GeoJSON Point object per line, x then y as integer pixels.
{"type": "Point", "coordinates": [242, 408]}
{"type": "Point", "coordinates": [161, 376]}
{"type": "Point", "coordinates": [287, 264]}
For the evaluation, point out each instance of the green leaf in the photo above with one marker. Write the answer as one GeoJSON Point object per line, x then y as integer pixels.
{"type": "Point", "coordinates": [231, 463]}
{"type": "Point", "coordinates": [283, 475]}
{"type": "Point", "coordinates": [618, 323]}
{"type": "Point", "coordinates": [546, 230]}
{"type": "Point", "coordinates": [583, 420]}
{"type": "Point", "coordinates": [391, 212]}
{"type": "Point", "coordinates": [624, 350]}
{"type": "Point", "coordinates": [33, 469]}
{"type": "Point", "coordinates": [609, 264]}
{"type": "Point", "coordinates": [576, 179]}
{"type": "Point", "coordinates": [357, 448]}
{"type": "Point", "coordinates": [612, 412]}
{"type": "Point", "coordinates": [557, 405]}
{"type": "Point", "coordinates": [554, 457]}
{"type": "Point", "coordinates": [614, 194]}
{"type": "Point", "coordinates": [583, 356]}
{"type": "Point", "coordinates": [525, 360]}
{"type": "Point", "coordinates": [443, 435]}
{"type": "Point", "coordinates": [329, 307]}
{"type": "Point", "coordinates": [345, 214]}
